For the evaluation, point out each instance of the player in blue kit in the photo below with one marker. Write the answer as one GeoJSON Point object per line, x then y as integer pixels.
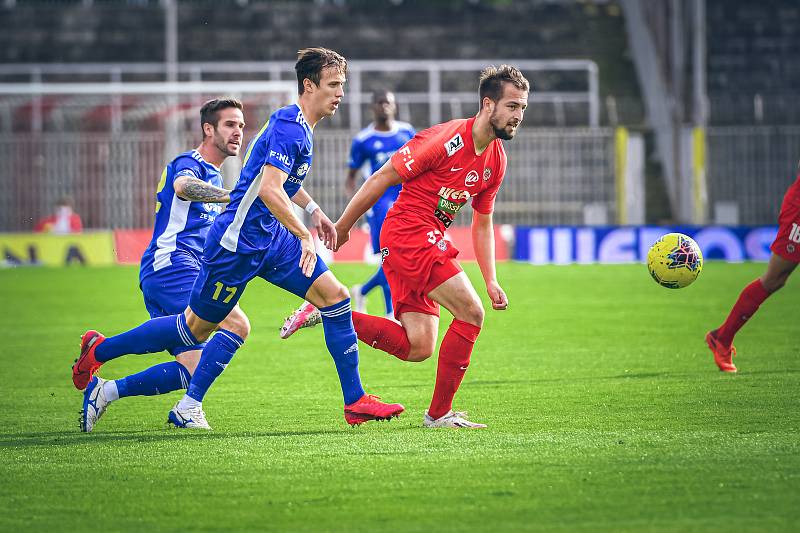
{"type": "Point", "coordinates": [259, 235]}
{"type": "Point", "coordinates": [374, 145]}
{"type": "Point", "coordinates": [188, 199]}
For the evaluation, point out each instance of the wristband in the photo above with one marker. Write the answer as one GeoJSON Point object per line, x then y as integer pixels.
{"type": "Point", "coordinates": [311, 207]}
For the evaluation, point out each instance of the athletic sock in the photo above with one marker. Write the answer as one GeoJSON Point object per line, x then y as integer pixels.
{"type": "Point", "coordinates": [340, 337]}
{"type": "Point", "coordinates": [110, 391]}
{"type": "Point", "coordinates": [158, 379]}
{"type": "Point", "coordinates": [153, 336]}
{"type": "Point", "coordinates": [379, 280]}
{"type": "Point", "coordinates": [454, 355]}
{"type": "Point", "coordinates": [375, 281]}
{"type": "Point", "coordinates": [748, 303]}
{"type": "Point", "coordinates": [216, 355]}
{"type": "Point", "coordinates": [383, 334]}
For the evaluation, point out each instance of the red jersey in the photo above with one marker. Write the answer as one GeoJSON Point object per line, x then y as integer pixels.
{"type": "Point", "coordinates": [441, 171]}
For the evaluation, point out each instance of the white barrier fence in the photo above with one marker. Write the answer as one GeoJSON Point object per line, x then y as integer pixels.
{"type": "Point", "coordinates": [553, 175]}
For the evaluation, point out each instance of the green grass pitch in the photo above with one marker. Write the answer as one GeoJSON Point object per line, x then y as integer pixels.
{"type": "Point", "coordinates": [605, 413]}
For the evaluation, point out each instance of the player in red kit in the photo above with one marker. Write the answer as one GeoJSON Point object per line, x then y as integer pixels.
{"type": "Point", "coordinates": [785, 257]}
{"type": "Point", "coordinates": [441, 168]}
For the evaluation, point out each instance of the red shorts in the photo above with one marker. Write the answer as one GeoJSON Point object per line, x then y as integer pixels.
{"type": "Point", "coordinates": [416, 260]}
{"type": "Point", "coordinates": [787, 243]}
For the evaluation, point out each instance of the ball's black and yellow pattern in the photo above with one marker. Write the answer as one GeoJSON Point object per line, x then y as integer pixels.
{"type": "Point", "coordinates": [675, 261]}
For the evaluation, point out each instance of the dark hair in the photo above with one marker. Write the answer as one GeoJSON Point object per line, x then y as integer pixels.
{"type": "Point", "coordinates": [312, 61]}
{"type": "Point", "coordinates": [492, 79]}
{"type": "Point", "coordinates": [209, 113]}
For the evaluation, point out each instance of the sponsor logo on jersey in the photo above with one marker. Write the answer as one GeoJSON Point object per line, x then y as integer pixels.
{"type": "Point", "coordinates": [302, 170]}
{"type": "Point", "coordinates": [283, 158]}
{"type": "Point", "coordinates": [471, 179]}
{"type": "Point", "coordinates": [454, 145]}
{"type": "Point", "coordinates": [446, 220]}
{"type": "Point", "coordinates": [794, 233]}
{"type": "Point", "coordinates": [292, 179]}
{"type": "Point", "coordinates": [487, 173]}
{"type": "Point", "coordinates": [405, 151]}
{"type": "Point", "coordinates": [448, 207]}
{"type": "Point", "coordinates": [453, 194]}
{"type": "Point", "coordinates": [384, 253]}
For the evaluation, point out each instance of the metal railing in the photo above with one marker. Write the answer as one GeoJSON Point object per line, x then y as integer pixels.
{"type": "Point", "coordinates": [751, 167]}
{"type": "Point", "coordinates": [552, 175]}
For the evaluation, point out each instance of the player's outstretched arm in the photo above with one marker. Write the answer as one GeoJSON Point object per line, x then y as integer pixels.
{"type": "Point", "coordinates": [483, 243]}
{"type": "Point", "coordinates": [277, 201]}
{"type": "Point", "coordinates": [197, 190]}
{"type": "Point", "coordinates": [365, 197]}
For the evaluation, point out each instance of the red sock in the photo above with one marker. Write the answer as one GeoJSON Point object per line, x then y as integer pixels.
{"type": "Point", "coordinates": [749, 300]}
{"type": "Point", "coordinates": [454, 357]}
{"type": "Point", "coordinates": [383, 334]}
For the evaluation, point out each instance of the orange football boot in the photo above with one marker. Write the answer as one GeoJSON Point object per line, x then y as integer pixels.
{"type": "Point", "coordinates": [723, 356]}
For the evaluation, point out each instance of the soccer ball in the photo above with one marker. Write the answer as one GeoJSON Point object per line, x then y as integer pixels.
{"type": "Point", "coordinates": [674, 261]}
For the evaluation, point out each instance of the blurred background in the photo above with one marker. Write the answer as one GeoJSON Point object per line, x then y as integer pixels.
{"type": "Point", "coordinates": [643, 114]}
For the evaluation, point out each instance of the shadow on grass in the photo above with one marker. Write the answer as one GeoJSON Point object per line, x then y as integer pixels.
{"type": "Point", "coordinates": [57, 438]}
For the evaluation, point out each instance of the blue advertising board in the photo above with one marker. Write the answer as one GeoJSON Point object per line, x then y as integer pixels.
{"type": "Point", "coordinates": [629, 244]}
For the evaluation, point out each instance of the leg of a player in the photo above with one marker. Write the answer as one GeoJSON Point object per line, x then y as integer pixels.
{"type": "Point", "coordinates": [753, 295]}
{"type": "Point", "coordinates": [458, 296]}
{"type": "Point", "coordinates": [333, 302]}
{"type": "Point", "coordinates": [170, 376]}
{"type": "Point", "coordinates": [218, 352]}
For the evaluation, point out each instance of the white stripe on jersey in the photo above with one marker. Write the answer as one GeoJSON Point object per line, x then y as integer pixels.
{"type": "Point", "coordinates": [230, 239]}
{"type": "Point", "coordinates": [166, 242]}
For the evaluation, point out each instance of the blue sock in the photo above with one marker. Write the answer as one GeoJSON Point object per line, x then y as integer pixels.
{"type": "Point", "coordinates": [158, 379]}
{"type": "Point", "coordinates": [340, 337]}
{"type": "Point", "coordinates": [216, 356]}
{"type": "Point", "coordinates": [379, 280]}
{"type": "Point", "coordinates": [153, 336]}
{"type": "Point", "coordinates": [387, 296]}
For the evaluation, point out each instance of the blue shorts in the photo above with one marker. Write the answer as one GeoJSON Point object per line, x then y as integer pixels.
{"type": "Point", "coordinates": [375, 218]}
{"type": "Point", "coordinates": [167, 292]}
{"type": "Point", "coordinates": [224, 274]}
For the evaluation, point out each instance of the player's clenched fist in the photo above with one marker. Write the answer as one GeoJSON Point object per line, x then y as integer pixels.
{"type": "Point", "coordinates": [497, 295]}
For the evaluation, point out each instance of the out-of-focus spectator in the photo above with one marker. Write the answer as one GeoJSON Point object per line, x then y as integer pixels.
{"type": "Point", "coordinates": [63, 221]}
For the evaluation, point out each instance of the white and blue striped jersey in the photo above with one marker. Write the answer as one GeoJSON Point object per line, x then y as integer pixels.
{"type": "Point", "coordinates": [286, 143]}
{"type": "Point", "coordinates": [181, 226]}
{"type": "Point", "coordinates": [374, 148]}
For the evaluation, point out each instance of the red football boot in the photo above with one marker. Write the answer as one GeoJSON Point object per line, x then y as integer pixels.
{"type": "Point", "coordinates": [86, 365]}
{"type": "Point", "coordinates": [369, 407]}
{"type": "Point", "coordinates": [723, 356]}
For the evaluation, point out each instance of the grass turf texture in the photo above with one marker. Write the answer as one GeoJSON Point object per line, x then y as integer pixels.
{"type": "Point", "coordinates": [605, 409]}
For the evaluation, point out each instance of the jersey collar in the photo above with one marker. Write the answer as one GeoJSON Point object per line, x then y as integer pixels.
{"type": "Point", "coordinates": [212, 165]}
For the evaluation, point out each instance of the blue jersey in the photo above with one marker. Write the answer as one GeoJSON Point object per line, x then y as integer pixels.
{"type": "Point", "coordinates": [376, 147]}
{"type": "Point", "coordinates": [181, 226]}
{"type": "Point", "coordinates": [286, 143]}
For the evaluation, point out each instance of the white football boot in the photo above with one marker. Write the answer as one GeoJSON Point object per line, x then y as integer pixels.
{"type": "Point", "coordinates": [193, 418]}
{"type": "Point", "coordinates": [453, 419]}
{"type": "Point", "coordinates": [94, 404]}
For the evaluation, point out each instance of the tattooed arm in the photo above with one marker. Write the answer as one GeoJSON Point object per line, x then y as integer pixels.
{"type": "Point", "coordinates": [196, 190]}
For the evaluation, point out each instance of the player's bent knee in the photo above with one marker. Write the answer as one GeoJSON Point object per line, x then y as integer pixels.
{"type": "Point", "coordinates": [420, 351]}
{"type": "Point", "coordinates": [237, 322]}
{"type": "Point", "coordinates": [335, 295]}
{"type": "Point", "coordinates": [472, 313]}
{"type": "Point", "coordinates": [189, 360]}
